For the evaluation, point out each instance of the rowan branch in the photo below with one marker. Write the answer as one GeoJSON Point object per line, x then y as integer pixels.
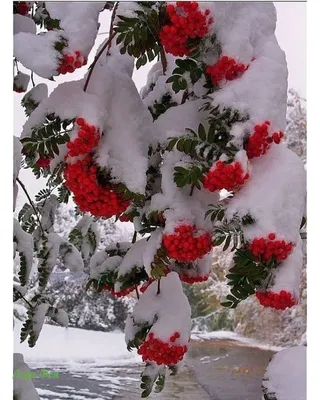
{"type": "Point", "coordinates": [31, 203]}
{"type": "Point", "coordinates": [106, 45]}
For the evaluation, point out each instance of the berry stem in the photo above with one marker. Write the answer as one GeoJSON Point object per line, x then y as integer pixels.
{"type": "Point", "coordinates": [158, 291]}
{"type": "Point", "coordinates": [134, 239]}
{"type": "Point", "coordinates": [31, 203]}
{"type": "Point", "coordinates": [32, 80]}
{"type": "Point", "coordinates": [191, 190]}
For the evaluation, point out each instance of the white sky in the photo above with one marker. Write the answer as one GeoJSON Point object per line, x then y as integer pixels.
{"type": "Point", "coordinates": [291, 35]}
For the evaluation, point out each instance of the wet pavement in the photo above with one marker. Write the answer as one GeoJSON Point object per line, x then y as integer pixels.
{"type": "Point", "coordinates": [215, 369]}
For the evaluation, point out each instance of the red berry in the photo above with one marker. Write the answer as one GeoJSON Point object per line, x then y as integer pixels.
{"type": "Point", "coordinates": [272, 236]}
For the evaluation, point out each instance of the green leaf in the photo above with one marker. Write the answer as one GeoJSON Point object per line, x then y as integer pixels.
{"type": "Point", "coordinates": [195, 75]}
{"type": "Point", "coordinates": [176, 86]}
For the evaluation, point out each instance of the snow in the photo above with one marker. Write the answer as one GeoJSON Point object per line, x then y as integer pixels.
{"type": "Point", "coordinates": [246, 30]}
{"type": "Point", "coordinates": [288, 276]}
{"type": "Point", "coordinates": [17, 157]}
{"type": "Point", "coordinates": [72, 259]}
{"type": "Point", "coordinates": [61, 317]}
{"type": "Point", "coordinates": [133, 258]}
{"type": "Point", "coordinates": [48, 211]}
{"type": "Point", "coordinates": [23, 388]}
{"type": "Point", "coordinates": [37, 52]}
{"type": "Point", "coordinates": [123, 147]}
{"type": "Point", "coordinates": [167, 312]}
{"type": "Point", "coordinates": [274, 195]}
{"type": "Point", "coordinates": [37, 93]}
{"type": "Point", "coordinates": [286, 374]}
{"type": "Point", "coordinates": [101, 263]}
{"type": "Point", "coordinates": [174, 121]}
{"type": "Point", "coordinates": [75, 348]}
{"type": "Point", "coordinates": [21, 81]}
{"type": "Point", "coordinates": [152, 245]}
{"type": "Point", "coordinates": [68, 101]}
{"type": "Point", "coordinates": [79, 22]}
{"type": "Point", "coordinates": [38, 319]}
{"type": "Point", "coordinates": [24, 245]}
{"type": "Point", "coordinates": [227, 335]}
{"type": "Point", "coordinates": [23, 24]}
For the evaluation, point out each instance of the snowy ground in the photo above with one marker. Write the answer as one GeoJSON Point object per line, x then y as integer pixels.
{"type": "Point", "coordinates": [97, 365]}
{"type": "Point", "coordinates": [233, 336]}
{"type": "Point", "coordinates": [74, 346]}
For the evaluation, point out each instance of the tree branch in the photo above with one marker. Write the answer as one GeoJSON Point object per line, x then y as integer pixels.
{"type": "Point", "coordinates": [31, 203]}
{"type": "Point", "coordinates": [96, 59]}
{"type": "Point", "coordinates": [106, 45]}
{"type": "Point", "coordinates": [111, 24]}
{"type": "Point", "coordinates": [21, 297]}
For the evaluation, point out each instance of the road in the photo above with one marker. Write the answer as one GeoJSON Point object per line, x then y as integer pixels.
{"type": "Point", "coordinates": [215, 369]}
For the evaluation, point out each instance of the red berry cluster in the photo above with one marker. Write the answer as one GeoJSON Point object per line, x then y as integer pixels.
{"type": "Point", "coordinates": [279, 301]}
{"type": "Point", "coordinates": [23, 8]}
{"type": "Point", "coordinates": [87, 140]}
{"type": "Point", "coordinates": [101, 201]}
{"type": "Point", "coordinates": [225, 69]}
{"type": "Point", "coordinates": [120, 293]}
{"type": "Point", "coordinates": [70, 62]}
{"type": "Point", "coordinates": [193, 279]}
{"type": "Point", "coordinates": [263, 249]}
{"type": "Point", "coordinates": [186, 244]}
{"type": "Point", "coordinates": [187, 22]}
{"type": "Point", "coordinates": [43, 162]}
{"type": "Point", "coordinates": [225, 176]}
{"type": "Point", "coordinates": [259, 142]}
{"type": "Point", "coordinates": [156, 350]}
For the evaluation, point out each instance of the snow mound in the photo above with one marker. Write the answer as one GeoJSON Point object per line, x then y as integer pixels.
{"type": "Point", "coordinates": [285, 377]}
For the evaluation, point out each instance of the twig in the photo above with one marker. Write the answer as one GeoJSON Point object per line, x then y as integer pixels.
{"type": "Point", "coordinates": [106, 45]}
{"type": "Point", "coordinates": [158, 291]}
{"type": "Point", "coordinates": [191, 190]}
{"type": "Point", "coordinates": [32, 80]}
{"type": "Point", "coordinates": [111, 25]}
{"type": "Point", "coordinates": [138, 297]}
{"type": "Point", "coordinates": [21, 297]}
{"type": "Point", "coordinates": [31, 203]}
{"type": "Point", "coordinates": [134, 239]}
{"type": "Point", "coordinates": [163, 60]}
{"type": "Point", "coordinates": [96, 59]}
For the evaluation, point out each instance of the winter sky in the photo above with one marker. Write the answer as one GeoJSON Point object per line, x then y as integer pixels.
{"type": "Point", "coordinates": [291, 35]}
